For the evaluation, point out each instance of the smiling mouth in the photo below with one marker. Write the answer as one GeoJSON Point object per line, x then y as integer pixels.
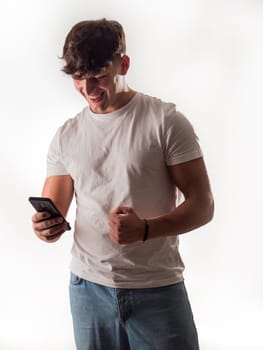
{"type": "Point", "coordinates": [96, 98]}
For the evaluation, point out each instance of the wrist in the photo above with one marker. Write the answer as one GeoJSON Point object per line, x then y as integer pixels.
{"type": "Point", "coordinates": [159, 227]}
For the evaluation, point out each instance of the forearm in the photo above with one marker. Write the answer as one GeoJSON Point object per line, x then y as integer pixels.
{"type": "Point", "coordinates": [60, 190]}
{"type": "Point", "coordinates": [191, 214]}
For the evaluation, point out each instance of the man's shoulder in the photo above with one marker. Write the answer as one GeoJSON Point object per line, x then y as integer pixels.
{"type": "Point", "coordinates": [72, 125]}
{"type": "Point", "coordinates": [157, 108]}
{"type": "Point", "coordinates": [157, 103]}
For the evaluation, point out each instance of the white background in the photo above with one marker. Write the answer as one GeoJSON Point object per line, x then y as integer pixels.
{"type": "Point", "coordinates": [204, 55]}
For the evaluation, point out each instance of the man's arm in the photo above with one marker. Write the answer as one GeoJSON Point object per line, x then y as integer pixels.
{"type": "Point", "coordinates": [197, 209]}
{"type": "Point", "coordinates": [60, 190]}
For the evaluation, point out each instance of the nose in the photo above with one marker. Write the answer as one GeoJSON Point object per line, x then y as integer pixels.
{"type": "Point", "coordinates": [90, 85]}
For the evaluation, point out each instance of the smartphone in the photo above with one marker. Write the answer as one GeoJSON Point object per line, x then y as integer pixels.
{"type": "Point", "coordinates": [46, 204]}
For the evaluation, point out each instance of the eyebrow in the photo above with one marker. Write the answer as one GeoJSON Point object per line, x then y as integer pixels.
{"type": "Point", "coordinates": [77, 77]}
{"type": "Point", "coordinates": [86, 76]}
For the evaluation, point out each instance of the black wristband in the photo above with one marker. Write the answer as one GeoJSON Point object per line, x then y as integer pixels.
{"type": "Point", "coordinates": [146, 230]}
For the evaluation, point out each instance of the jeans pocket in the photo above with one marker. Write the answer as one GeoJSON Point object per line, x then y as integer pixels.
{"type": "Point", "coordinates": [74, 279]}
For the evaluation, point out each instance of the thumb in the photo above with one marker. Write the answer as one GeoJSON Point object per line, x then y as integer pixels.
{"type": "Point", "coordinates": [123, 210]}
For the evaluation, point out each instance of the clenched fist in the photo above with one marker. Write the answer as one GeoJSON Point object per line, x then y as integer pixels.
{"type": "Point", "coordinates": [125, 226]}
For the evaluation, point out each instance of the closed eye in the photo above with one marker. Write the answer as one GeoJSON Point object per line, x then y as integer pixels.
{"type": "Point", "coordinates": [101, 77]}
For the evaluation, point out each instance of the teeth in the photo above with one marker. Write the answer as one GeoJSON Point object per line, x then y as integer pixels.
{"type": "Point", "coordinates": [96, 97]}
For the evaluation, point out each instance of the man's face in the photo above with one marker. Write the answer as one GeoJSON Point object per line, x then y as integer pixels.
{"type": "Point", "coordinates": [103, 91]}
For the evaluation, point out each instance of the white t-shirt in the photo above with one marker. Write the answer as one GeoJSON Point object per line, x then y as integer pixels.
{"type": "Point", "coordinates": [121, 158]}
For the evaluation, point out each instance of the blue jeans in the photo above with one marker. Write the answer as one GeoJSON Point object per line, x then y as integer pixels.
{"type": "Point", "coordinates": [107, 318]}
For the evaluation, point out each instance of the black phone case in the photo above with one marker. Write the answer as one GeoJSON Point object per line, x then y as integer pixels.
{"type": "Point", "coordinates": [46, 204]}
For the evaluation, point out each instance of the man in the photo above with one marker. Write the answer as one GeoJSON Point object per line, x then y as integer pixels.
{"type": "Point", "coordinates": [126, 156]}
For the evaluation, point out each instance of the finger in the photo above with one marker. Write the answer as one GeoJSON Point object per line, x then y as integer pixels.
{"type": "Point", "coordinates": [123, 210]}
{"type": "Point", "coordinates": [46, 224]}
{"type": "Point", "coordinates": [49, 230]}
{"type": "Point", "coordinates": [114, 237]}
{"type": "Point", "coordinates": [114, 229]}
{"type": "Point", "coordinates": [52, 231]}
{"type": "Point", "coordinates": [117, 225]}
{"type": "Point", "coordinates": [114, 219]}
{"type": "Point", "coordinates": [39, 216]}
{"type": "Point", "coordinates": [53, 238]}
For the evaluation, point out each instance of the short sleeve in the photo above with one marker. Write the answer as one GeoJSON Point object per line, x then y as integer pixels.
{"type": "Point", "coordinates": [181, 141]}
{"type": "Point", "coordinates": [55, 165]}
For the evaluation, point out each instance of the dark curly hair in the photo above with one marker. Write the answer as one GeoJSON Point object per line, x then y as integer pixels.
{"type": "Point", "coordinates": [92, 45]}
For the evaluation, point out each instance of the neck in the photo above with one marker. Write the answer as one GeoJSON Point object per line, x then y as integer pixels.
{"type": "Point", "coordinates": [121, 85]}
{"type": "Point", "coordinates": [125, 96]}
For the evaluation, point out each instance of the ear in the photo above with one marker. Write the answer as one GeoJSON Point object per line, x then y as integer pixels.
{"type": "Point", "coordinates": [125, 64]}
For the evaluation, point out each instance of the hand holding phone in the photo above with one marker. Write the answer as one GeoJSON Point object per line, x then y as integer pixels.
{"type": "Point", "coordinates": [46, 204]}
{"type": "Point", "coordinates": [47, 233]}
